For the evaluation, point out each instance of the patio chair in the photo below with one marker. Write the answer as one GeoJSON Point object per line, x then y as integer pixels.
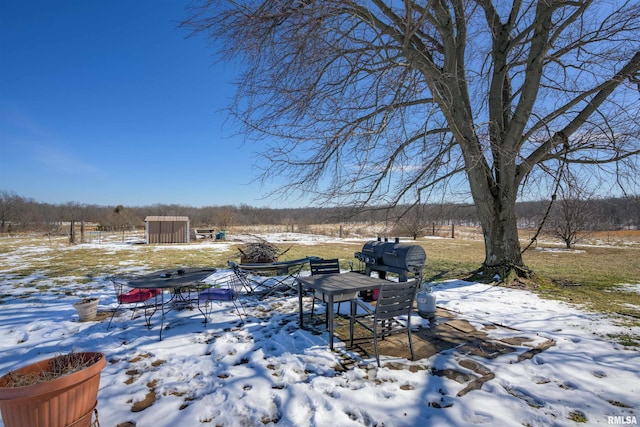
{"type": "Point", "coordinates": [137, 298]}
{"type": "Point", "coordinates": [395, 299]}
{"type": "Point", "coordinates": [225, 289]}
{"type": "Point", "coordinates": [266, 279]}
{"type": "Point", "coordinates": [328, 266]}
{"type": "Point", "coordinates": [242, 277]}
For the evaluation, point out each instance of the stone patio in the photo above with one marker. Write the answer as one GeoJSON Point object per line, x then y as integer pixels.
{"type": "Point", "coordinates": [464, 345]}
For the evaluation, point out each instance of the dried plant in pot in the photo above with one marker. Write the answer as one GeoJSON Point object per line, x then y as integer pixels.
{"type": "Point", "coordinates": [61, 391]}
{"type": "Point", "coordinates": [87, 309]}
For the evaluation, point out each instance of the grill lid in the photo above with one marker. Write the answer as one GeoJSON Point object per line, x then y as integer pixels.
{"type": "Point", "coordinates": [402, 256]}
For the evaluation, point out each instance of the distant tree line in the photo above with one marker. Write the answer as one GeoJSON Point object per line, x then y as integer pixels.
{"type": "Point", "coordinates": [23, 214]}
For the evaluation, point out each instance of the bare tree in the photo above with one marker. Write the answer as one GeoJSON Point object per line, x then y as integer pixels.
{"type": "Point", "coordinates": [224, 217]}
{"type": "Point", "coordinates": [571, 217]}
{"type": "Point", "coordinates": [9, 208]}
{"type": "Point", "coordinates": [383, 102]}
{"type": "Point", "coordinates": [121, 217]}
{"type": "Point", "coordinates": [414, 222]}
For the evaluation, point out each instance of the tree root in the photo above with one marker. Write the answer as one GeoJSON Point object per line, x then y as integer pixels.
{"type": "Point", "coordinates": [507, 274]}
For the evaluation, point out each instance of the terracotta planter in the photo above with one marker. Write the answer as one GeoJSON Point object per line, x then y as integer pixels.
{"type": "Point", "coordinates": [65, 401]}
{"type": "Point", "coordinates": [87, 309]}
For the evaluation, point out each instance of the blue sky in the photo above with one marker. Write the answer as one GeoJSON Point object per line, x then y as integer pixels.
{"type": "Point", "coordinates": [108, 102]}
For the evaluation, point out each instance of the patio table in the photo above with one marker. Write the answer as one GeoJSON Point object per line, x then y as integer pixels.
{"type": "Point", "coordinates": [177, 281]}
{"type": "Point", "coordinates": [334, 284]}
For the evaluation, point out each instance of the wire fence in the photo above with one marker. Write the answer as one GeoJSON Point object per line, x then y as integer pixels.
{"type": "Point", "coordinates": [112, 236]}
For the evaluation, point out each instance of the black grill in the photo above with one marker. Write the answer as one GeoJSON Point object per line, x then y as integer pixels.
{"type": "Point", "coordinates": [392, 257]}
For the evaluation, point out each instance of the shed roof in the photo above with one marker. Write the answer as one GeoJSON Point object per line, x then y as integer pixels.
{"type": "Point", "coordinates": [166, 218]}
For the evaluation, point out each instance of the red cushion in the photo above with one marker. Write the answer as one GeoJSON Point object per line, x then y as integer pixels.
{"type": "Point", "coordinates": [137, 295]}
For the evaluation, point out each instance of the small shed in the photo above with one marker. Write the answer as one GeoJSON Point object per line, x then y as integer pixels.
{"type": "Point", "coordinates": [167, 229]}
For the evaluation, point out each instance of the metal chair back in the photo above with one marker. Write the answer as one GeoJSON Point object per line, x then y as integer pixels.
{"type": "Point", "coordinates": [327, 266]}
{"type": "Point", "coordinates": [324, 266]}
{"type": "Point", "coordinates": [137, 298]}
{"type": "Point", "coordinates": [223, 289]}
{"type": "Point", "coordinates": [395, 299]}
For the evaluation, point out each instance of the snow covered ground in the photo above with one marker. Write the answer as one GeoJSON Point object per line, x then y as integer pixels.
{"type": "Point", "coordinates": [269, 372]}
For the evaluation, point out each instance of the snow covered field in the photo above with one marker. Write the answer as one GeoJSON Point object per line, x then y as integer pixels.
{"type": "Point", "coordinates": [269, 372]}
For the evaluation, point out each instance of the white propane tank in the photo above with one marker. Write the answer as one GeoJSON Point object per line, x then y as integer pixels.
{"type": "Point", "coordinates": [426, 301]}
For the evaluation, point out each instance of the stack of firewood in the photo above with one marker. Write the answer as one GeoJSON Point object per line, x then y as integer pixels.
{"type": "Point", "coordinates": [261, 251]}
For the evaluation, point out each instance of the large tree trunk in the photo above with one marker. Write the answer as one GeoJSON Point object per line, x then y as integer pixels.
{"type": "Point", "coordinates": [495, 197]}
{"type": "Point", "coordinates": [503, 256]}
{"type": "Point", "coordinates": [500, 230]}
